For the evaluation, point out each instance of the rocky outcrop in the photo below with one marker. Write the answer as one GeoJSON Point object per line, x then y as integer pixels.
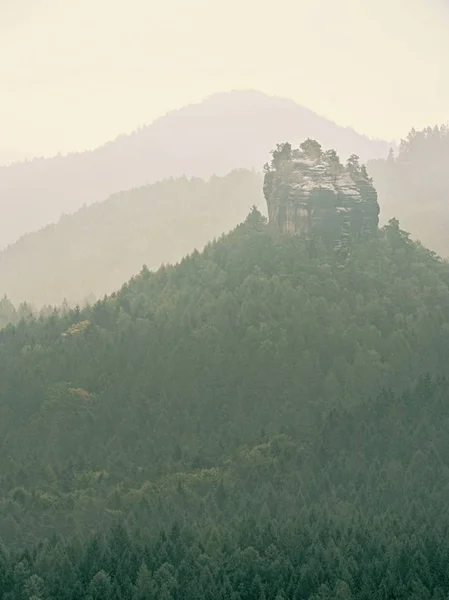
{"type": "Point", "coordinates": [310, 193]}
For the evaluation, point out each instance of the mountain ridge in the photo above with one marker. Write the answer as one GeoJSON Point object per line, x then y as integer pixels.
{"type": "Point", "coordinates": [225, 131]}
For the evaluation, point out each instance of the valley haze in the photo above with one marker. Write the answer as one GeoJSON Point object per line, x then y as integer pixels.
{"type": "Point", "coordinates": [224, 336]}
{"type": "Point", "coordinates": [224, 132]}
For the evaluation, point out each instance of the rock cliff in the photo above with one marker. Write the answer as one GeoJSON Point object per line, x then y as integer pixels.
{"type": "Point", "coordinates": [309, 192]}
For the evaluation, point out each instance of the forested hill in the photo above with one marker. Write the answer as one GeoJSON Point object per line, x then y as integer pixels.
{"type": "Point", "coordinates": [184, 369]}
{"type": "Point", "coordinates": [226, 131]}
{"type": "Point", "coordinates": [250, 424]}
{"type": "Point", "coordinates": [415, 185]}
{"type": "Point", "coordinates": [92, 252]}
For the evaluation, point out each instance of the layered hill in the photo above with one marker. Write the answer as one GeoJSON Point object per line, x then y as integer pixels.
{"type": "Point", "coordinates": [256, 422]}
{"type": "Point", "coordinates": [93, 251]}
{"type": "Point", "coordinates": [226, 131]}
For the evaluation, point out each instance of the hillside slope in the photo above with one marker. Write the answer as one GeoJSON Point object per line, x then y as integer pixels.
{"type": "Point", "coordinates": [360, 514]}
{"type": "Point", "coordinates": [226, 131]}
{"type": "Point", "coordinates": [93, 251]}
{"type": "Point", "coordinates": [169, 381]}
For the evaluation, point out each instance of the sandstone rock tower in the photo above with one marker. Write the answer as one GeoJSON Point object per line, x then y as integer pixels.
{"type": "Point", "coordinates": [310, 193]}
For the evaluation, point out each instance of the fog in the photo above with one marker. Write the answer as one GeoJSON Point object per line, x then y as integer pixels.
{"type": "Point", "coordinates": [226, 131]}
{"type": "Point", "coordinates": [223, 351]}
{"type": "Point", "coordinates": [78, 76]}
{"type": "Point", "coordinates": [74, 75]}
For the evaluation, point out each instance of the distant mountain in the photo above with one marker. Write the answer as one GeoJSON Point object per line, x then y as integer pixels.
{"type": "Point", "coordinates": [95, 250]}
{"type": "Point", "coordinates": [226, 131]}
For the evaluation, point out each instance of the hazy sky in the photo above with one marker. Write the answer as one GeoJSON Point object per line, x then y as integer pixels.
{"type": "Point", "coordinates": [76, 73]}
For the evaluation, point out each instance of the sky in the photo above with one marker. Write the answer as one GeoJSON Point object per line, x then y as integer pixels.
{"type": "Point", "coordinates": [76, 74]}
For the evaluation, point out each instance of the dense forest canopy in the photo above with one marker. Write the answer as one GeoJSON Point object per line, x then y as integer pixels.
{"type": "Point", "coordinates": [251, 423]}
{"type": "Point", "coordinates": [362, 513]}
{"type": "Point", "coordinates": [415, 186]}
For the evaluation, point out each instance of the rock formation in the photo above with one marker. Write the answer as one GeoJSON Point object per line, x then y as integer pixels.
{"type": "Point", "coordinates": [310, 193]}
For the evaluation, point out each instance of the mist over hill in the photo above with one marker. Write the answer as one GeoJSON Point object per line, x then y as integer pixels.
{"type": "Point", "coordinates": [224, 332]}
{"type": "Point", "coordinates": [413, 185]}
{"type": "Point", "coordinates": [224, 132]}
{"type": "Point", "coordinates": [219, 427]}
{"type": "Point", "coordinates": [9, 156]}
{"type": "Point", "coordinates": [93, 251]}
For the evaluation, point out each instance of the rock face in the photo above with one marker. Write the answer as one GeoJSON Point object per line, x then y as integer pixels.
{"type": "Point", "coordinates": [310, 193]}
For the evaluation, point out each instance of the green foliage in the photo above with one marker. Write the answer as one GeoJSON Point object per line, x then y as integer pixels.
{"type": "Point", "coordinates": [361, 509]}
{"type": "Point", "coordinates": [311, 149]}
{"type": "Point", "coordinates": [251, 423]}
